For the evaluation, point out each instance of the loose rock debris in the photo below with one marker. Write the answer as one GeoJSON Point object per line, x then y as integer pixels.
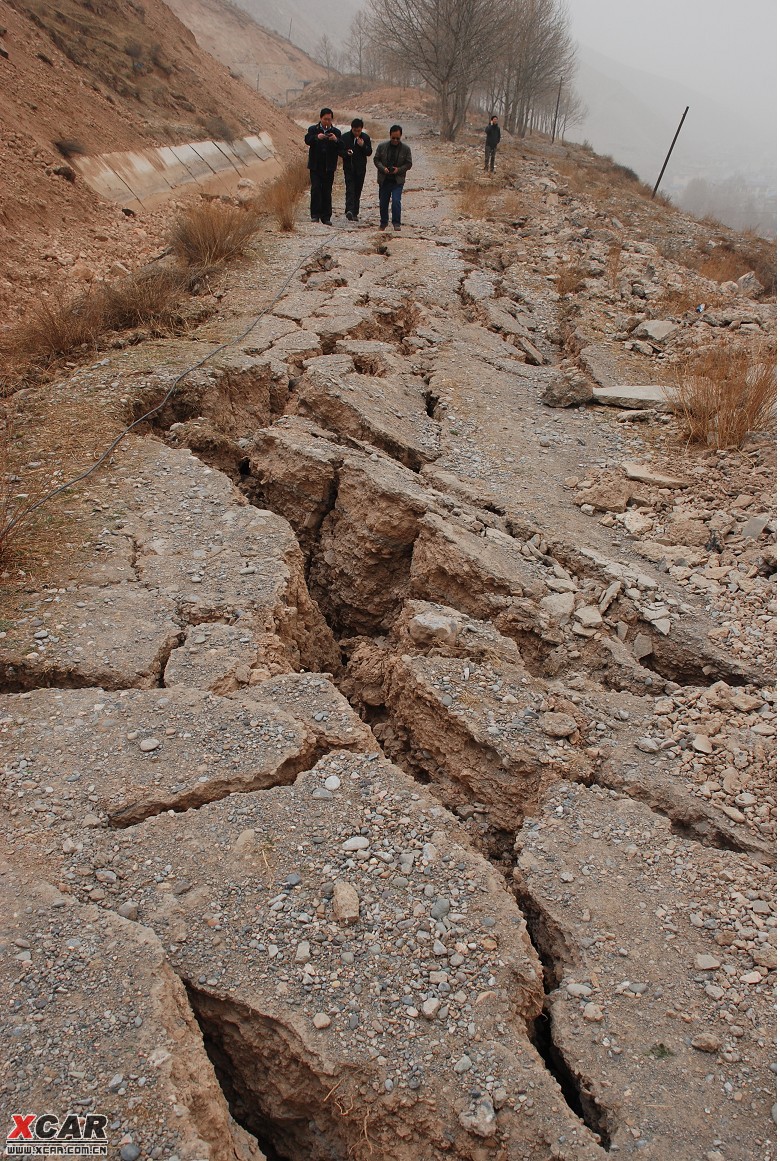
{"type": "Point", "coordinates": [398, 782]}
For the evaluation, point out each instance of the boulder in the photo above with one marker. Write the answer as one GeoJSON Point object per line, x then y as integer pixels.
{"type": "Point", "coordinates": [567, 391]}
{"type": "Point", "coordinates": [656, 330]}
{"type": "Point", "coordinates": [634, 396]}
{"type": "Point", "coordinates": [749, 284]}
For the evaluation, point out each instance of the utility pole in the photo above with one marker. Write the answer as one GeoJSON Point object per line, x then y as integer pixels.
{"type": "Point", "coordinates": [289, 34]}
{"type": "Point", "coordinates": [671, 147]}
{"type": "Point", "coordinates": [557, 106]}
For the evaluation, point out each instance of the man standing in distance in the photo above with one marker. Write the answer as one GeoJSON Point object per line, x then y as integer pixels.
{"type": "Point", "coordinates": [393, 160]}
{"type": "Point", "coordinates": [357, 147]}
{"type": "Point", "coordinates": [325, 148]}
{"type": "Point", "coordinates": [492, 138]}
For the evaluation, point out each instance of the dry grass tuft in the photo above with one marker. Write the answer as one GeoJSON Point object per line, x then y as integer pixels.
{"type": "Point", "coordinates": [61, 324]}
{"type": "Point", "coordinates": [571, 279]}
{"type": "Point", "coordinates": [282, 197]}
{"type": "Point", "coordinates": [722, 394]}
{"type": "Point", "coordinates": [68, 147]}
{"type": "Point", "coordinates": [476, 201]}
{"type": "Point", "coordinates": [148, 297]}
{"type": "Point", "coordinates": [674, 303]}
{"type": "Point", "coordinates": [56, 326]}
{"type": "Point", "coordinates": [730, 258]}
{"type": "Point", "coordinates": [211, 232]}
{"type": "Point", "coordinates": [722, 264]}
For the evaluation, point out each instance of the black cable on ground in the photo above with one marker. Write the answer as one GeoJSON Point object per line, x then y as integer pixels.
{"type": "Point", "coordinates": [4, 532]}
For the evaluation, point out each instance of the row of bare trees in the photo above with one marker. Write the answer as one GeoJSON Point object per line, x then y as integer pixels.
{"type": "Point", "coordinates": [512, 57]}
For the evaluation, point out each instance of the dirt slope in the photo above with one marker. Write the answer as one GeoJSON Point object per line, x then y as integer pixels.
{"type": "Point", "coordinates": [107, 77]}
{"type": "Point", "coordinates": [264, 59]}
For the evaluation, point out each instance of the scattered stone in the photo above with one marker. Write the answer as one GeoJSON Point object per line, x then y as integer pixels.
{"type": "Point", "coordinates": [346, 902]}
{"type": "Point", "coordinates": [557, 725]}
{"type": "Point", "coordinates": [593, 1013]}
{"type": "Point", "coordinates": [706, 1042]}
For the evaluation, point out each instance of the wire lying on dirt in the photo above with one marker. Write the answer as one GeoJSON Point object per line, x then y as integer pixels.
{"type": "Point", "coordinates": [23, 515]}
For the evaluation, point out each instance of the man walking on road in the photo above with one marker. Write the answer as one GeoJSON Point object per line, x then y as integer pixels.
{"type": "Point", "coordinates": [492, 138]}
{"type": "Point", "coordinates": [325, 149]}
{"type": "Point", "coordinates": [393, 160]}
{"type": "Point", "coordinates": [357, 147]}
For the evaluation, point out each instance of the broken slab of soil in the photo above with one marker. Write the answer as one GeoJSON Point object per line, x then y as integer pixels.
{"type": "Point", "coordinates": [361, 977]}
{"type": "Point", "coordinates": [90, 757]}
{"type": "Point", "coordinates": [115, 636]}
{"type": "Point", "coordinates": [73, 1029]}
{"type": "Point", "coordinates": [202, 546]}
{"type": "Point", "coordinates": [360, 393]}
{"type": "Point", "coordinates": [665, 987]}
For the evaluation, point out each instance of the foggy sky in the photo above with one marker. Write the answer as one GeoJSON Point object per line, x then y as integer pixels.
{"type": "Point", "coordinates": [724, 48]}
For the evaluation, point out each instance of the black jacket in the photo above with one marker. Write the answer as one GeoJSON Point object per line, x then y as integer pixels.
{"type": "Point", "coordinates": [355, 162]}
{"type": "Point", "coordinates": [492, 135]}
{"type": "Point", "coordinates": [323, 155]}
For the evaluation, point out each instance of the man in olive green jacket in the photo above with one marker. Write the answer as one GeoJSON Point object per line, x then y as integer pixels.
{"type": "Point", "coordinates": [393, 160]}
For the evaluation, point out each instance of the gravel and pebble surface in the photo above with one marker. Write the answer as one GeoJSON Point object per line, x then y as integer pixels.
{"type": "Point", "coordinates": [527, 596]}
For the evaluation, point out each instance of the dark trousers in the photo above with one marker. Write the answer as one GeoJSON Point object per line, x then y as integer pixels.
{"type": "Point", "coordinates": [321, 194]}
{"type": "Point", "coordinates": [353, 181]}
{"type": "Point", "coordinates": [390, 190]}
{"type": "Point", "coordinates": [490, 157]}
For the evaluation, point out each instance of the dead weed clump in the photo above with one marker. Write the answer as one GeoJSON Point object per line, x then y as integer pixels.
{"type": "Point", "coordinates": [152, 296]}
{"type": "Point", "coordinates": [212, 232]}
{"type": "Point", "coordinates": [476, 201]}
{"type": "Point", "coordinates": [56, 326]}
{"type": "Point", "coordinates": [723, 394]}
{"type": "Point", "coordinates": [283, 196]}
{"type": "Point", "coordinates": [61, 324]}
{"type": "Point", "coordinates": [571, 279]}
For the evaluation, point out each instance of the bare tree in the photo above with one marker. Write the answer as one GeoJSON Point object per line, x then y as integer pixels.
{"type": "Point", "coordinates": [573, 110]}
{"type": "Point", "coordinates": [358, 42]}
{"type": "Point", "coordinates": [537, 53]}
{"type": "Point", "coordinates": [449, 44]}
{"type": "Point", "coordinates": [326, 52]}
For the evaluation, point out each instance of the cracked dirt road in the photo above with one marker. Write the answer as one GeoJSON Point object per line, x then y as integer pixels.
{"type": "Point", "coordinates": [361, 773]}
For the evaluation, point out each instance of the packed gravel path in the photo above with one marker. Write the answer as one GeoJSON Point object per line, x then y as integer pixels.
{"type": "Point", "coordinates": [396, 780]}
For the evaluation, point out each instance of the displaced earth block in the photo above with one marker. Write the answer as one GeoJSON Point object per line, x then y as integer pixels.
{"type": "Point", "coordinates": [397, 782]}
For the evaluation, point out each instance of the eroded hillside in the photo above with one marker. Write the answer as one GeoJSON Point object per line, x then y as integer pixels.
{"type": "Point", "coordinates": [83, 79]}
{"type": "Point", "coordinates": [401, 709]}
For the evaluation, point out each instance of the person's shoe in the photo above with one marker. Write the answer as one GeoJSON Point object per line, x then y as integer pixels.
{"type": "Point", "coordinates": [314, 219]}
{"type": "Point", "coordinates": [350, 216]}
{"type": "Point", "coordinates": [383, 225]}
{"type": "Point", "coordinates": [326, 221]}
{"type": "Point", "coordinates": [396, 225]}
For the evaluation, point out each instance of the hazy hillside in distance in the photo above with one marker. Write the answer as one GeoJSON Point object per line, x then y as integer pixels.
{"type": "Point", "coordinates": [266, 61]}
{"type": "Point", "coordinates": [310, 20]}
{"type": "Point", "coordinates": [633, 115]}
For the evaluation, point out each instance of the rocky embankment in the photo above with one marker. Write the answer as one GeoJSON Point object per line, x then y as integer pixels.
{"type": "Point", "coordinates": [397, 781]}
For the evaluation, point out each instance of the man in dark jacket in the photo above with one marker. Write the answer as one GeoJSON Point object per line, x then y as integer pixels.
{"type": "Point", "coordinates": [393, 160]}
{"type": "Point", "coordinates": [492, 138]}
{"type": "Point", "coordinates": [357, 147]}
{"type": "Point", "coordinates": [325, 149]}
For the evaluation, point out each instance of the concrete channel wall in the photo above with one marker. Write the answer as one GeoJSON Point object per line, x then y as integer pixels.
{"type": "Point", "coordinates": [139, 179]}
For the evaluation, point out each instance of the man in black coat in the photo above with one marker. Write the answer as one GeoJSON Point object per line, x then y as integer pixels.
{"type": "Point", "coordinates": [357, 147]}
{"type": "Point", "coordinates": [325, 149]}
{"type": "Point", "coordinates": [492, 138]}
